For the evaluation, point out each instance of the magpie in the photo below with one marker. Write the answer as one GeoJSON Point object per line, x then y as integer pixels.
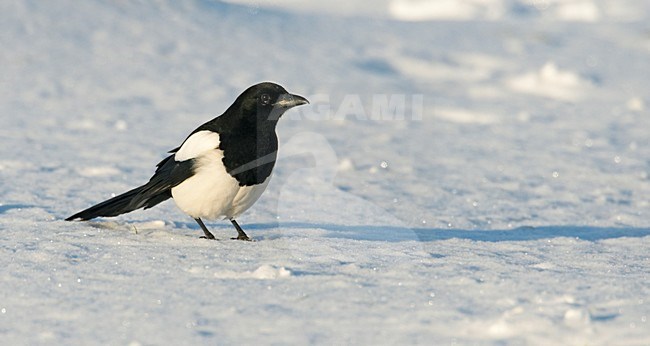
{"type": "Point", "coordinates": [221, 168]}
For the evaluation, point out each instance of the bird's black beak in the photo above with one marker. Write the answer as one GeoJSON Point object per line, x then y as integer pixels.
{"type": "Point", "coordinates": [287, 101]}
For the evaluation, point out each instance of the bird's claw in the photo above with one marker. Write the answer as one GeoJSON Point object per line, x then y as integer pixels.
{"type": "Point", "coordinates": [244, 238]}
{"type": "Point", "coordinates": [204, 237]}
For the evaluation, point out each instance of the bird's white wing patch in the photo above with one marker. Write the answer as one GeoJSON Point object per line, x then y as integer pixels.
{"type": "Point", "coordinates": [197, 144]}
{"type": "Point", "coordinates": [210, 191]}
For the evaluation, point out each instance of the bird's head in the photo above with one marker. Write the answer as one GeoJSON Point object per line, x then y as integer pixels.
{"type": "Point", "coordinates": [267, 102]}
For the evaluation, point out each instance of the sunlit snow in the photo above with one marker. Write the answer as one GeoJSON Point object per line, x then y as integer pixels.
{"type": "Point", "coordinates": [471, 172]}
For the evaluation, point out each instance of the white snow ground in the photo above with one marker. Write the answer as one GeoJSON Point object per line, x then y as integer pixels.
{"type": "Point", "coordinates": [506, 204]}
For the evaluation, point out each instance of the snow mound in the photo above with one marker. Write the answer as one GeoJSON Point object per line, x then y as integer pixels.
{"type": "Point", "coordinates": [264, 272]}
{"type": "Point", "coordinates": [418, 10]}
{"type": "Point", "coordinates": [550, 81]}
{"type": "Point", "coordinates": [465, 10]}
{"type": "Point", "coordinates": [98, 171]}
{"type": "Point", "coordinates": [465, 116]}
{"type": "Point", "coordinates": [577, 10]}
{"type": "Point", "coordinates": [635, 104]}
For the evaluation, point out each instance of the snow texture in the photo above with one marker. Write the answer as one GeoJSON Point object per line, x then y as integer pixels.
{"type": "Point", "coordinates": [470, 172]}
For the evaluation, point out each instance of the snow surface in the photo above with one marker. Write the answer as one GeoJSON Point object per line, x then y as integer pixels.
{"type": "Point", "coordinates": [469, 172]}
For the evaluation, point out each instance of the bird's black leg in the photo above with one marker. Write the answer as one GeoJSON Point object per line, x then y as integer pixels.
{"type": "Point", "coordinates": [208, 235]}
{"type": "Point", "coordinates": [240, 232]}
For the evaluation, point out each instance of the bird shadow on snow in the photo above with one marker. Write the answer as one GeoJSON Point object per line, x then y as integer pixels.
{"type": "Point", "coordinates": [386, 233]}
{"type": "Point", "coordinates": [397, 234]}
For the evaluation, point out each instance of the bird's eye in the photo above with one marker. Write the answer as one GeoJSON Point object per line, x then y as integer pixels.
{"type": "Point", "coordinates": [265, 99]}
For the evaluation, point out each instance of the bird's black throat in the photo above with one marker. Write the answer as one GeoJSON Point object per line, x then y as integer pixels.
{"type": "Point", "coordinates": [249, 154]}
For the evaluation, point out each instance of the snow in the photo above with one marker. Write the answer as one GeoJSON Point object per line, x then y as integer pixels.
{"type": "Point", "coordinates": [500, 196]}
{"type": "Point", "coordinates": [551, 82]}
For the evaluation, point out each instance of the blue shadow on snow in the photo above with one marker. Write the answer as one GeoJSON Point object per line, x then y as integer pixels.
{"type": "Point", "coordinates": [394, 233]}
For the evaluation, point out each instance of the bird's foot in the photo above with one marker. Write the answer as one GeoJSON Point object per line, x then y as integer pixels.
{"type": "Point", "coordinates": [209, 238]}
{"type": "Point", "coordinates": [242, 237]}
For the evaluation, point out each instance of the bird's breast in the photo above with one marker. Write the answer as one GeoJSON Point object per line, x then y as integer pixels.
{"type": "Point", "coordinates": [212, 193]}
{"type": "Point", "coordinates": [250, 156]}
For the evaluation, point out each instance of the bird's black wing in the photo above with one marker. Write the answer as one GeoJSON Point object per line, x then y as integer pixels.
{"type": "Point", "coordinates": [169, 173]}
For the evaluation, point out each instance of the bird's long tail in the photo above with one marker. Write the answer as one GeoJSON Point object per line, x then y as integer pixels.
{"type": "Point", "coordinates": [140, 197]}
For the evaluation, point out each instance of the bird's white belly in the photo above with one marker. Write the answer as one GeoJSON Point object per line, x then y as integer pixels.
{"type": "Point", "coordinates": [212, 193]}
{"type": "Point", "coordinates": [246, 197]}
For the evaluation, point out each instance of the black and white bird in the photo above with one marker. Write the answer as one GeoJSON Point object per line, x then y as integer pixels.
{"type": "Point", "coordinates": [221, 168]}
